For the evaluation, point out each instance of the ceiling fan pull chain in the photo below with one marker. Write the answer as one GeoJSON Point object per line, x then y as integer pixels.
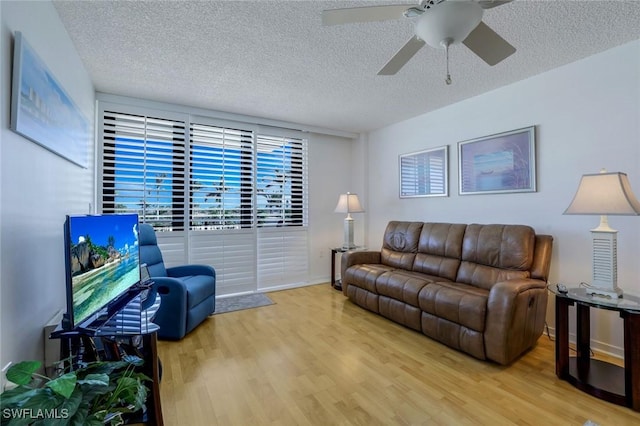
{"type": "Point", "coordinates": [446, 44]}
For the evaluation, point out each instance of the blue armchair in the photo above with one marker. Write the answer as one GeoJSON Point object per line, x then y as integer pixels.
{"type": "Point", "coordinates": [188, 292]}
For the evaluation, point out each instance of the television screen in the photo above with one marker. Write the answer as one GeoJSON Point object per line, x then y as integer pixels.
{"type": "Point", "coordinates": [103, 262]}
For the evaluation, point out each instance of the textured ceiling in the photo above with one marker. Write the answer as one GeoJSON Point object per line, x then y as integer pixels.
{"type": "Point", "coordinates": [274, 59]}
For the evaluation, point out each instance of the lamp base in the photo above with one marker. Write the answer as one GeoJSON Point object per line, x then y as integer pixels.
{"type": "Point", "coordinates": [348, 234]}
{"type": "Point", "coordinates": [613, 293]}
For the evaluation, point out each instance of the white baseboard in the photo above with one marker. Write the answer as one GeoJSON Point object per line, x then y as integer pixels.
{"type": "Point", "coordinates": [596, 345]}
{"type": "Point", "coordinates": [275, 288]}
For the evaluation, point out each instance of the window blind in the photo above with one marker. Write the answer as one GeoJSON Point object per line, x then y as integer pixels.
{"type": "Point", "coordinates": [143, 169]}
{"type": "Point", "coordinates": [221, 178]}
{"type": "Point", "coordinates": [281, 181]}
{"type": "Point", "coordinates": [230, 196]}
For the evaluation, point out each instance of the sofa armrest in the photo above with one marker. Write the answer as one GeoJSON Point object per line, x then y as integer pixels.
{"type": "Point", "coordinates": [516, 312]}
{"type": "Point", "coordinates": [350, 258]}
{"type": "Point", "coordinates": [186, 270]}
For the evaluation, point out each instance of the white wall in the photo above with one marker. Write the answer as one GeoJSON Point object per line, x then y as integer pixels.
{"type": "Point", "coordinates": [330, 174]}
{"type": "Point", "coordinates": [38, 188]}
{"type": "Point", "coordinates": [587, 117]}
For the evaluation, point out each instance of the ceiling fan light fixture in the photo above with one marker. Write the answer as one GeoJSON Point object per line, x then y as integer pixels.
{"type": "Point", "coordinates": [451, 19]}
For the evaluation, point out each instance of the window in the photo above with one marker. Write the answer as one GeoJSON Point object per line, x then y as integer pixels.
{"type": "Point", "coordinates": [221, 178]}
{"type": "Point", "coordinates": [280, 181]}
{"type": "Point", "coordinates": [143, 169]}
{"type": "Point", "coordinates": [235, 178]}
{"type": "Point", "coordinates": [230, 195]}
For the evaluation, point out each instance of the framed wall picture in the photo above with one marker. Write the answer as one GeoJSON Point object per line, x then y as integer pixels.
{"type": "Point", "coordinates": [505, 162]}
{"type": "Point", "coordinates": [41, 110]}
{"type": "Point", "coordinates": [424, 173]}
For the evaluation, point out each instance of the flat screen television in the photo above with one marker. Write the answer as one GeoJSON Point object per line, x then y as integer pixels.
{"type": "Point", "coordinates": [102, 264]}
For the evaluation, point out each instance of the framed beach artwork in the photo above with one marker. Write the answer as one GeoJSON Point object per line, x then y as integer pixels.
{"type": "Point", "coordinates": [501, 163]}
{"type": "Point", "coordinates": [42, 111]}
{"type": "Point", "coordinates": [424, 173]}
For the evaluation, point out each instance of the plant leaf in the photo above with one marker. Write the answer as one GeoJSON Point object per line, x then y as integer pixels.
{"type": "Point", "coordinates": [104, 367]}
{"type": "Point", "coordinates": [63, 385]}
{"type": "Point", "coordinates": [44, 399]}
{"type": "Point", "coordinates": [72, 404]}
{"type": "Point", "coordinates": [80, 416]}
{"type": "Point", "coordinates": [95, 379]}
{"type": "Point", "coordinates": [16, 396]}
{"type": "Point", "coordinates": [133, 360]}
{"type": "Point", "coordinates": [21, 373]}
{"type": "Point", "coordinates": [96, 419]}
{"type": "Point", "coordinates": [18, 421]}
{"type": "Point", "coordinates": [141, 396]}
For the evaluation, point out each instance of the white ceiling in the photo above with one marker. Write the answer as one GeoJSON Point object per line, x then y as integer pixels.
{"type": "Point", "coordinates": [274, 59]}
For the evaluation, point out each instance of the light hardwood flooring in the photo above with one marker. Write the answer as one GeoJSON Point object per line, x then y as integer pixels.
{"type": "Point", "coordinates": [314, 358]}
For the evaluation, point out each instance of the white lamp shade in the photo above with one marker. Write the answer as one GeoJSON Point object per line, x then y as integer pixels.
{"type": "Point", "coordinates": [604, 194]}
{"type": "Point", "coordinates": [349, 203]}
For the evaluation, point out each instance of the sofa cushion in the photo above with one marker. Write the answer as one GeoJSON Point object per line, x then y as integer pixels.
{"type": "Point", "coordinates": [461, 304]}
{"type": "Point", "coordinates": [494, 253]}
{"type": "Point", "coordinates": [403, 285]}
{"type": "Point", "coordinates": [454, 335]}
{"type": "Point", "coordinates": [364, 298]}
{"type": "Point", "coordinates": [500, 246]}
{"type": "Point", "coordinates": [486, 276]}
{"type": "Point", "coordinates": [440, 249]}
{"type": "Point", "coordinates": [365, 275]}
{"type": "Point", "coordinates": [400, 312]}
{"type": "Point", "coordinates": [400, 244]}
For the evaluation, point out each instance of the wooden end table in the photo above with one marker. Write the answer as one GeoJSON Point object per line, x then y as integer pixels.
{"type": "Point", "coordinates": [612, 383]}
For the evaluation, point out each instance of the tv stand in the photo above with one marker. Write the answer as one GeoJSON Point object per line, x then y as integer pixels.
{"type": "Point", "coordinates": [126, 331]}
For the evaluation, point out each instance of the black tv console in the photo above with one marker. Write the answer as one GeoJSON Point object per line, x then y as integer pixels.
{"type": "Point", "coordinates": [127, 331]}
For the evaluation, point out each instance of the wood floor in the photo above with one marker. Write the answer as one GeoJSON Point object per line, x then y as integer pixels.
{"type": "Point", "coordinates": [314, 358]}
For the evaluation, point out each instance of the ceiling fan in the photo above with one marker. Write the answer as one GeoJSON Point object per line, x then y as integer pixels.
{"type": "Point", "coordinates": [440, 23]}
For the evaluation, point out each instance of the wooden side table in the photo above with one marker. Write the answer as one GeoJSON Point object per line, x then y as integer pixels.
{"type": "Point", "coordinates": [612, 383]}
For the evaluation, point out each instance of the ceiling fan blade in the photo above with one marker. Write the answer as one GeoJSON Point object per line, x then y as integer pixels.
{"type": "Point", "coordinates": [490, 4]}
{"type": "Point", "coordinates": [364, 14]}
{"type": "Point", "coordinates": [488, 45]}
{"type": "Point", "coordinates": [403, 56]}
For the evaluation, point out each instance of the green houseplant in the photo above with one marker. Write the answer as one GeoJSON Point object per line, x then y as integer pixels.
{"type": "Point", "coordinates": [97, 393]}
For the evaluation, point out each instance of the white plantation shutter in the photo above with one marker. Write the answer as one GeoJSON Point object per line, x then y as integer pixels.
{"type": "Point", "coordinates": [172, 245]}
{"type": "Point", "coordinates": [281, 183]}
{"type": "Point", "coordinates": [282, 256]}
{"type": "Point", "coordinates": [281, 192]}
{"type": "Point", "coordinates": [222, 214]}
{"type": "Point", "coordinates": [143, 168]}
{"type": "Point", "coordinates": [221, 178]}
{"type": "Point", "coordinates": [233, 255]}
{"type": "Point", "coordinates": [224, 194]}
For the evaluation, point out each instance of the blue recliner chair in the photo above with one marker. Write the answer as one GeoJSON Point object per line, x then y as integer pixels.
{"type": "Point", "coordinates": [188, 292]}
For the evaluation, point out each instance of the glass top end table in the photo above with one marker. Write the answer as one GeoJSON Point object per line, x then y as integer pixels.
{"type": "Point", "coordinates": [610, 382]}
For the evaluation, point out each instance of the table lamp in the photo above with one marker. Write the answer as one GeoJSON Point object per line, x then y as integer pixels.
{"type": "Point", "coordinates": [604, 194]}
{"type": "Point", "coordinates": [348, 203]}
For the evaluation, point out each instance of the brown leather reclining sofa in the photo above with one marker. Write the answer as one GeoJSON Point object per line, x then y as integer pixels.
{"type": "Point", "coordinates": [480, 289]}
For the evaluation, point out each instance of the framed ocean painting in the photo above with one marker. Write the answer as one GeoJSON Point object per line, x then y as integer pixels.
{"type": "Point", "coordinates": [505, 162]}
{"type": "Point", "coordinates": [42, 111]}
